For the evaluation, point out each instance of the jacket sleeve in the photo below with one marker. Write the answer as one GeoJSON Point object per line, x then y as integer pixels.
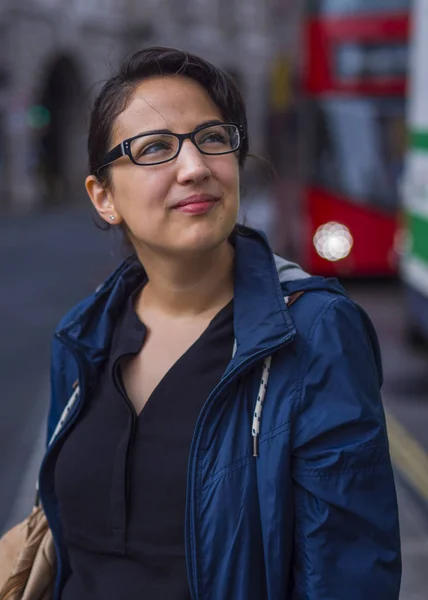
{"type": "Point", "coordinates": [346, 518]}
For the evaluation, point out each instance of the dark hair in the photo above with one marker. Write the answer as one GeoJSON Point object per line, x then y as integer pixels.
{"type": "Point", "coordinates": [117, 92]}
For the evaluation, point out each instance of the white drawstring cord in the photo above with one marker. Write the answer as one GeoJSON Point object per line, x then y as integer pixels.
{"type": "Point", "coordinates": [65, 413]}
{"type": "Point", "coordinates": [71, 402]}
{"type": "Point", "coordinates": [259, 404]}
{"type": "Point", "coordinates": [261, 398]}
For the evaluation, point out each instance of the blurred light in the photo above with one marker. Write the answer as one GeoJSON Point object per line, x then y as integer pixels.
{"type": "Point", "coordinates": [333, 241]}
{"type": "Point", "coordinates": [402, 242]}
{"type": "Point", "coordinates": [38, 117]}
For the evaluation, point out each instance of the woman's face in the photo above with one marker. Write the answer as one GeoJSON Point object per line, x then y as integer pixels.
{"type": "Point", "coordinates": [145, 198]}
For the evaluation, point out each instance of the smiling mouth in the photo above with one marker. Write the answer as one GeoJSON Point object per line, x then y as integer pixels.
{"type": "Point", "coordinates": [197, 199]}
{"type": "Point", "coordinates": [197, 204]}
{"type": "Point", "coordinates": [195, 208]}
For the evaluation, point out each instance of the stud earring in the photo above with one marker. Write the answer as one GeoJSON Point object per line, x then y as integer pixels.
{"type": "Point", "coordinates": [112, 217]}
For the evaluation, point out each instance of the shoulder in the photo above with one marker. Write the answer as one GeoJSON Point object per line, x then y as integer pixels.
{"type": "Point", "coordinates": [338, 369]}
{"type": "Point", "coordinates": [329, 323]}
{"type": "Point", "coordinates": [87, 321]}
{"type": "Point", "coordinates": [318, 299]}
{"type": "Point", "coordinates": [63, 362]}
{"type": "Point", "coordinates": [104, 294]}
{"type": "Point", "coordinates": [76, 311]}
{"type": "Point", "coordinates": [327, 309]}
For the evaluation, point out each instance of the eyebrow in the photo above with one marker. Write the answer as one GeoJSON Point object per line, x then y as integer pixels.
{"type": "Point", "coordinates": [203, 124]}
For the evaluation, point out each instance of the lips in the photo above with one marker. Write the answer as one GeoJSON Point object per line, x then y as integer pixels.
{"type": "Point", "coordinates": [196, 199]}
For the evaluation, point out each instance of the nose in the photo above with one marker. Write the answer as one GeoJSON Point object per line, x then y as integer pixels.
{"type": "Point", "coordinates": [191, 164]}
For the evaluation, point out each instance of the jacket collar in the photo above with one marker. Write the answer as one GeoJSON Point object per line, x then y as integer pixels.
{"type": "Point", "coordinates": [261, 318]}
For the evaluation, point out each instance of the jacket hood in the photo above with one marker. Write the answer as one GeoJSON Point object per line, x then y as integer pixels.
{"type": "Point", "coordinates": [287, 270]}
{"type": "Point", "coordinates": [294, 279]}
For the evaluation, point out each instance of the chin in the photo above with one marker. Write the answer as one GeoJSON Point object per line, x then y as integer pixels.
{"type": "Point", "coordinates": [205, 238]}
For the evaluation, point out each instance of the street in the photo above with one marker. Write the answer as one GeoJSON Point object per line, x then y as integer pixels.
{"type": "Point", "coordinates": [49, 262]}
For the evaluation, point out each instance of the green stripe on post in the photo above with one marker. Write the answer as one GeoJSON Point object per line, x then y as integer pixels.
{"type": "Point", "coordinates": [419, 230]}
{"type": "Point", "coordinates": [418, 140]}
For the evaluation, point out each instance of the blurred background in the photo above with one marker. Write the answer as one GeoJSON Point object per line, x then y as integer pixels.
{"type": "Point", "coordinates": [337, 101]}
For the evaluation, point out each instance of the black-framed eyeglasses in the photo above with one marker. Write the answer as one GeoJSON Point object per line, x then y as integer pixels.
{"type": "Point", "coordinates": [161, 146]}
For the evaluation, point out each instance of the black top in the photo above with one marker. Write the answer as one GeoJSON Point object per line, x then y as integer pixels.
{"type": "Point", "coordinates": [121, 479]}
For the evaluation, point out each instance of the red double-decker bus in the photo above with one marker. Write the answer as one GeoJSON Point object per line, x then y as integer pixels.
{"type": "Point", "coordinates": [355, 137]}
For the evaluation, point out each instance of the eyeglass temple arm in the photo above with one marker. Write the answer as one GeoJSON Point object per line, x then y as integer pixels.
{"type": "Point", "coordinates": [113, 155]}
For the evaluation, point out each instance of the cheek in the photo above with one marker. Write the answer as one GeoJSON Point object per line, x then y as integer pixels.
{"type": "Point", "coordinates": [138, 189]}
{"type": "Point", "coordinates": [228, 176]}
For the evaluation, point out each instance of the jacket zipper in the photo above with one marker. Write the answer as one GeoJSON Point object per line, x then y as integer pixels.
{"type": "Point", "coordinates": [191, 473]}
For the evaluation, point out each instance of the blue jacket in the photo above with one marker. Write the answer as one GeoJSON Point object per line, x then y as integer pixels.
{"type": "Point", "coordinates": [314, 515]}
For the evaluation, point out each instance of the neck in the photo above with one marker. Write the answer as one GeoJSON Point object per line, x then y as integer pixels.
{"type": "Point", "coordinates": [188, 287]}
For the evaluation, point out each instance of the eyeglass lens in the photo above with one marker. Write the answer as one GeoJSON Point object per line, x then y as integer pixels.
{"type": "Point", "coordinates": [161, 147]}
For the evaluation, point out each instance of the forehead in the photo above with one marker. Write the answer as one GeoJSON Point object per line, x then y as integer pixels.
{"type": "Point", "coordinates": [165, 102]}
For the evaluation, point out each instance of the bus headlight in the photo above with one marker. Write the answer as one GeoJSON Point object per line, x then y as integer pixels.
{"type": "Point", "coordinates": [333, 241]}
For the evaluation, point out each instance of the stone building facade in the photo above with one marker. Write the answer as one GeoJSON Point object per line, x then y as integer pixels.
{"type": "Point", "coordinates": [56, 53]}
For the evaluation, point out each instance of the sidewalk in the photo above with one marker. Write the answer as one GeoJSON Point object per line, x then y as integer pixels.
{"type": "Point", "coordinates": [414, 539]}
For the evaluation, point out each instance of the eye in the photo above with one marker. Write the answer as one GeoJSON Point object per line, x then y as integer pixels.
{"type": "Point", "coordinates": [214, 137]}
{"type": "Point", "coordinates": [151, 148]}
{"type": "Point", "coordinates": [154, 146]}
{"type": "Point", "coordinates": [217, 139]}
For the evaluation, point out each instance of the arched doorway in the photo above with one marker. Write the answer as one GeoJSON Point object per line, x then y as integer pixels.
{"type": "Point", "coordinates": [58, 121]}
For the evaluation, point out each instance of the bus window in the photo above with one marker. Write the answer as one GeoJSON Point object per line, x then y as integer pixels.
{"type": "Point", "coordinates": [354, 7]}
{"type": "Point", "coordinates": [357, 147]}
{"type": "Point", "coordinates": [371, 61]}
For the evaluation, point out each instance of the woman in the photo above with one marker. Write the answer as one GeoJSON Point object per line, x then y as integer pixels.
{"type": "Point", "coordinates": [214, 443]}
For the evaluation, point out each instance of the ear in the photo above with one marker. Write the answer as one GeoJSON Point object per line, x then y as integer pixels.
{"type": "Point", "coordinates": [102, 199]}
